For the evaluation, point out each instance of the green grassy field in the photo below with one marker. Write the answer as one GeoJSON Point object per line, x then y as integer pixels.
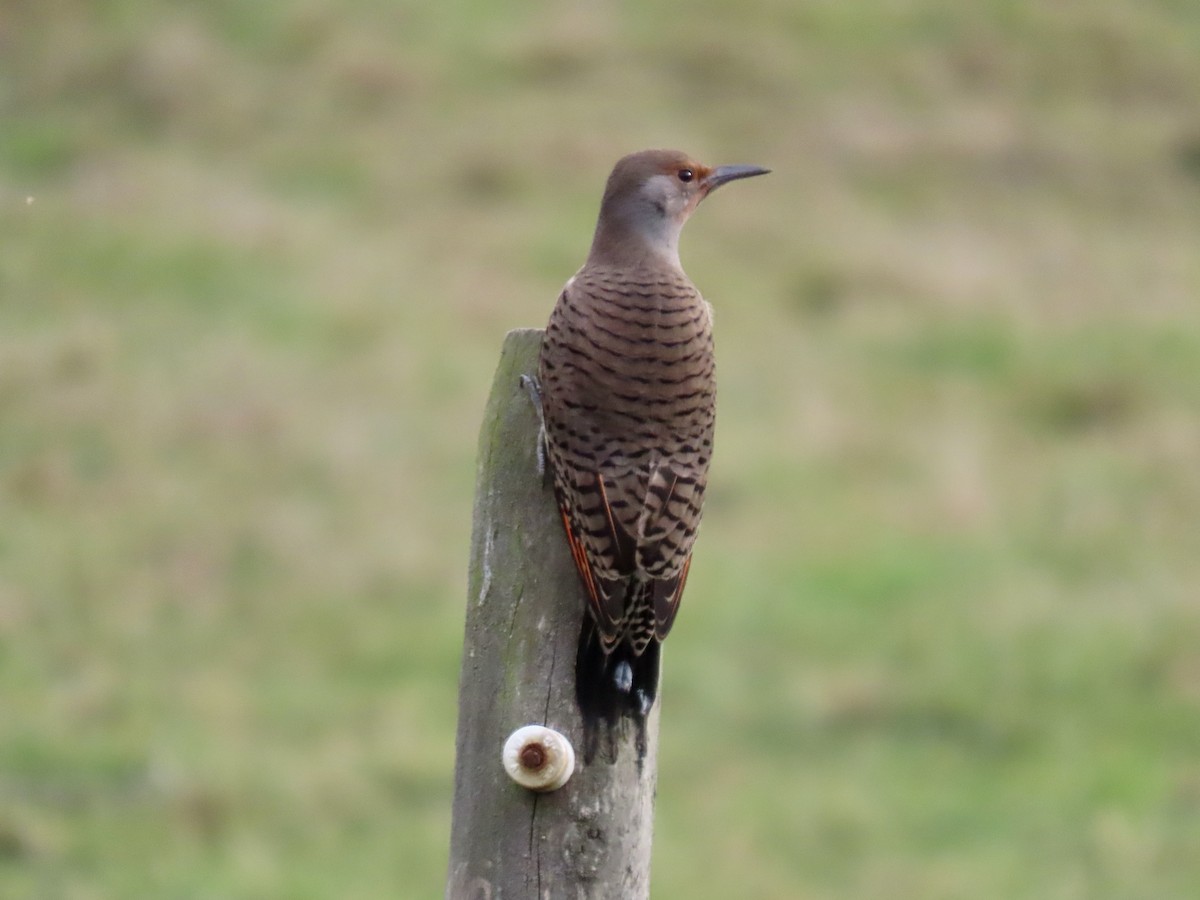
{"type": "Point", "coordinates": [942, 634]}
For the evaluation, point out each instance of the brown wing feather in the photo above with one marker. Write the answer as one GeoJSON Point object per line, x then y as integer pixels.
{"type": "Point", "coordinates": [606, 594]}
{"type": "Point", "coordinates": [582, 563]}
{"type": "Point", "coordinates": [667, 595]}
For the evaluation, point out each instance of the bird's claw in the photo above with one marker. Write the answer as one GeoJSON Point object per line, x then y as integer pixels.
{"type": "Point", "coordinates": [533, 388]}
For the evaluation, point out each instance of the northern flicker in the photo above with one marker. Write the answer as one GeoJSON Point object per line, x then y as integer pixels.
{"type": "Point", "coordinates": [628, 398]}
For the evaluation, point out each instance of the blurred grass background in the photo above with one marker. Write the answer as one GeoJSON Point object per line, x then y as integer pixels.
{"type": "Point", "coordinates": [942, 636]}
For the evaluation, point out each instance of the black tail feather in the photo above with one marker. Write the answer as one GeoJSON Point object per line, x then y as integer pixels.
{"type": "Point", "coordinates": [612, 688]}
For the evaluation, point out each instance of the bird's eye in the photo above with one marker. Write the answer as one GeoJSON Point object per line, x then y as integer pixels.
{"type": "Point", "coordinates": [686, 174]}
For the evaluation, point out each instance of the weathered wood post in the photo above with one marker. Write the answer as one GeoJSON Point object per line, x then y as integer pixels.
{"type": "Point", "coordinates": [590, 838]}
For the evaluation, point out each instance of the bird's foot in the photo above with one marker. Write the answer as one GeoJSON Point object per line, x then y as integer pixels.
{"type": "Point", "coordinates": [533, 388]}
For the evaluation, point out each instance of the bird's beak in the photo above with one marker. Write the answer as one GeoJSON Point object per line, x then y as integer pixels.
{"type": "Point", "coordinates": [722, 174]}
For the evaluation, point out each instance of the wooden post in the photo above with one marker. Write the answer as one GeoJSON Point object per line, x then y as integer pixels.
{"type": "Point", "coordinates": [590, 838]}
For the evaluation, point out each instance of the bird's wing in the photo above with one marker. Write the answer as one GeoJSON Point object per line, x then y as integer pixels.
{"type": "Point", "coordinates": [602, 547]}
{"type": "Point", "coordinates": [667, 595]}
{"type": "Point", "coordinates": [634, 525]}
{"type": "Point", "coordinates": [666, 529]}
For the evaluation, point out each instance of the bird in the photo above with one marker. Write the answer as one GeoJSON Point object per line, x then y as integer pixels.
{"type": "Point", "coordinates": [627, 394]}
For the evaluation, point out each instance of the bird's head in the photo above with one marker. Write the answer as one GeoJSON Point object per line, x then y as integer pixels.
{"type": "Point", "coordinates": [650, 195]}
